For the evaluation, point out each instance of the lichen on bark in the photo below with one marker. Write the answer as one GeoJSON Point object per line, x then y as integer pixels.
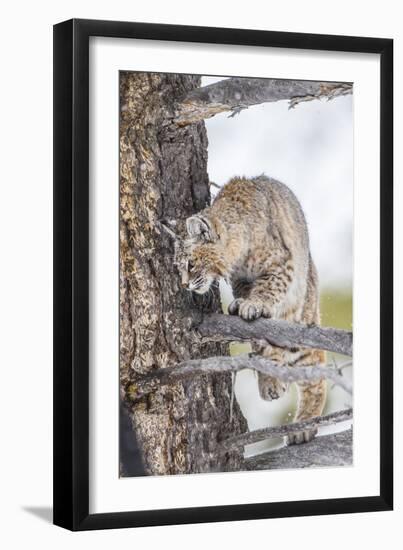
{"type": "Point", "coordinates": [163, 175]}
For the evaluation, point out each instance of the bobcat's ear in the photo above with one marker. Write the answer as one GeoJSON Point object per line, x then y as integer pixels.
{"type": "Point", "coordinates": [200, 226]}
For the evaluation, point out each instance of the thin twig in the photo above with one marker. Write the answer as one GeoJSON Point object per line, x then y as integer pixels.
{"type": "Point", "coordinates": [233, 377]}
{"type": "Point", "coordinates": [213, 184]}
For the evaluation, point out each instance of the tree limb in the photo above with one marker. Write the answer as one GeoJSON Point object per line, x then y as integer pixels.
{"type": "Point", "coordinates": [236, 94]}
{"type": "Point", "coordinates": [280, 431]}
{"type": "Point", "coordinates": [276, 332]}
{"type": "Point", "coordinates": [327, 450]}
{"type": "Point", "coordinates": [198, 367]}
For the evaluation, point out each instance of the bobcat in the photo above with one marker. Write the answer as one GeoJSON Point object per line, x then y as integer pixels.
{"type": "Point", "coordinates": [255, 236]}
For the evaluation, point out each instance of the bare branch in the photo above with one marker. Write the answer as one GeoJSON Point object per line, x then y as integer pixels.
{"type": "Point", "coordinates": [198, 367]}
{"type": "Point", "coordinates": [280, 431]}
{"type": "Point", "coordinates": [213, 184]}
{"type": "Point", "coordinates": [236, 94]}
{"type": "Point", "coordinates": [276, 332]}
{"type": "Point", "coordinates": [327, 450]}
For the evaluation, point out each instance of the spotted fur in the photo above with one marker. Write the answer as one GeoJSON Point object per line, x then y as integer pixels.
{"type": "Point", "coordinates": [255, 236]}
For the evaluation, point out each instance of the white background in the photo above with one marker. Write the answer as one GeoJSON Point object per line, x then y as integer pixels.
{"type": "Point", "coordinates": [26, 272]}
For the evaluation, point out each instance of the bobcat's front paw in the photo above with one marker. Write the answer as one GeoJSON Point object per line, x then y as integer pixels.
{"type": "Point", "coordinates": [271, 388]}
{"type": "Point", "coordinates": [234, 306]}
{"type": "Point", "coordinates": [247, 309]}
{"type": "Point", "coordinates": [301, 437]}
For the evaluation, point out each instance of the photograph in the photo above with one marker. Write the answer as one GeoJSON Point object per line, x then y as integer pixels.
{"type": "Point", "coordinates": [199, 278]}
{"type": "Point", "coordinates": [236, 274]}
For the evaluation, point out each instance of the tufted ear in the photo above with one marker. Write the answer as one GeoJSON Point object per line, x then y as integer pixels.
{"type": "Point", "coordinates": [201, 227]}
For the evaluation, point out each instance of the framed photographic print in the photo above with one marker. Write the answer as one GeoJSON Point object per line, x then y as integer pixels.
{"type": "Point", "coordinates": [222, 227]}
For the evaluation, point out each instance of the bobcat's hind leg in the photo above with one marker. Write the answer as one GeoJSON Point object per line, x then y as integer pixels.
{"type": "Point", "coordinates": [311, 399]}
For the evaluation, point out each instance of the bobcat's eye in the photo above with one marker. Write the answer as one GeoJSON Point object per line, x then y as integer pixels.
{"type": "Point", "coordinates": [190, 265]}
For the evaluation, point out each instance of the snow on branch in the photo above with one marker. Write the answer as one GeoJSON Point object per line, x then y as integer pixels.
{"type": "Point", "coordinates": [236, 94]}
{"type": "Point", "coordinates": [254, 436]}
{"type": "Point", "coordinates": [276, 332]}
{"type": "Point", "coordinates": [198, 367]}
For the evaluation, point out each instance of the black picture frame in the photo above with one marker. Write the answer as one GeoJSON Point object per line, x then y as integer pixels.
{"type": "Point", "coordinates": [71, 274]}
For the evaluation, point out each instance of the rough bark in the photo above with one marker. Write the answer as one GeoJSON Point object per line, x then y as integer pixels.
{"type": "Point", "coordinates": [163, 175]}
{"type": "Point", "coordinates": [285, 429]}
{"type": "Point", "coordinates": [198, 367]}
{"type": "Point", "coordinates": [327, 450]}
{"type": "Point", "coordinates": [236, 94]}
{"type": "Point", "coordinates": [276, 332]}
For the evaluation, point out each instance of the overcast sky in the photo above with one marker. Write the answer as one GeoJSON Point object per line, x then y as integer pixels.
{"type": "Point", "coordinates": [310, 149]}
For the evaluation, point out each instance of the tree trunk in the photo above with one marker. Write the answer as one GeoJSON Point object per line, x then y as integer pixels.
{"type": "Point", "coordinates": [163, 175]}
